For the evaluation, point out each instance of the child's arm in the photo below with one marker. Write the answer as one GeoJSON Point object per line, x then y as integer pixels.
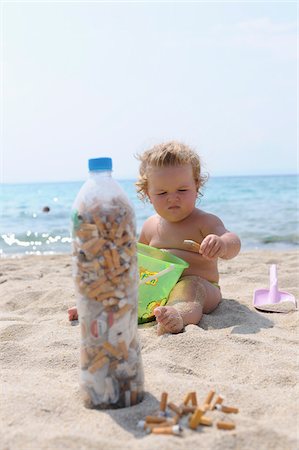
{"type": "Point", "coordinates": [219, 242]}
{"type": "Point", "coordinates": [142, 238]}
{"type": "Point", "coordinates": [147, 231]}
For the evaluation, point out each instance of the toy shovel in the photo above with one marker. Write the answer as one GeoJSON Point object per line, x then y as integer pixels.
{"type": "Point", "coordinates": [272, 299]}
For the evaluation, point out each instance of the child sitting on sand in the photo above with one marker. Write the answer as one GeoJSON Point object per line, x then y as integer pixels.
{"type": "Point", "coordinates": [170, 177]}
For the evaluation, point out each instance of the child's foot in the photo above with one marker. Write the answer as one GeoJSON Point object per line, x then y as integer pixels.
{"type": "Point", "coordinates": [169, 320]}
{"type": "Point", "coordinates": [73, 313]}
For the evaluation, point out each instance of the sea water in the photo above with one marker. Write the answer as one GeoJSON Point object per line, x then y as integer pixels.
{"type": "Point", "coordinates": [262, 210]}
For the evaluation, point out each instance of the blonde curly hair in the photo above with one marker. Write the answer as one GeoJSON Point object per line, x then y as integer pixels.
{"type": "Point", "coordinates": [167, 154]}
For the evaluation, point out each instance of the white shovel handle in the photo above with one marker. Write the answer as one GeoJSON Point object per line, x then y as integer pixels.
{"type": "Point", "coordinates": [157, 275]}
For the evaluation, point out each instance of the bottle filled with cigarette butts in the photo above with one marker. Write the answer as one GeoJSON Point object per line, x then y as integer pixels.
{"type": "Point", "coordinates": [106, 280]}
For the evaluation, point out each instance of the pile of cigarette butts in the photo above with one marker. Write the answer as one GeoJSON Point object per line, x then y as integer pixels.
{"type": "Point", "coordinates": [171, 419]}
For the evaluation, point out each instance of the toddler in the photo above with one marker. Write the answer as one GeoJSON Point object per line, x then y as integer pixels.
{"type": "Point", "coordinates": [170, 178]}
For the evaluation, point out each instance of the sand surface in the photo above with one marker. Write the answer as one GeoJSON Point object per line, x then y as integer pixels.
{"type": "Point", "coordinates": [249, 357]}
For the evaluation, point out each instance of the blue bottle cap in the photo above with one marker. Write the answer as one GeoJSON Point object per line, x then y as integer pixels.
{"type": "Point", "coordinates": [100, 164]}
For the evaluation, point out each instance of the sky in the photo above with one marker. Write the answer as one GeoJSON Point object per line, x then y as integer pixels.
{"type": "Point", "coordinates": [81, 80]}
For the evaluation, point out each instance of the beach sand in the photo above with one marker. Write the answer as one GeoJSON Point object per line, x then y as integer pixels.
{"type": "Point", "coordinates": [248, 357]}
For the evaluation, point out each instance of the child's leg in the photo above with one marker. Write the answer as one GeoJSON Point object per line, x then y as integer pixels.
{"type": "Point", "coordinates": [73, 313]}
{"type": "Point", "coordinates": [189, 299]}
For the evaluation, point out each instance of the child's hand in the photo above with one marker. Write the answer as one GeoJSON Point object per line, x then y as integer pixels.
{"type": "Point", "coordinates": [212, 247]}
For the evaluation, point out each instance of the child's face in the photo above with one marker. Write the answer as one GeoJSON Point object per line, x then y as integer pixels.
{"type": "Point", "coordinates": [172, 191]}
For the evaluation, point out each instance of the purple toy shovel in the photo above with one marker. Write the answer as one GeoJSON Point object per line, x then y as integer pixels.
{"type": "Point", "coordinates": [272, 299]}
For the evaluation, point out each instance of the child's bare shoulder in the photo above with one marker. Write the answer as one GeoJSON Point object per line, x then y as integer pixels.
{"type": "Point", "coordinates": [207, 221]}
{"type": "Point", "coordinates": [203, 215]}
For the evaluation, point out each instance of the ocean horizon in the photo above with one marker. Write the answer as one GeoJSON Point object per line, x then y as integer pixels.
{"type": "Point", "coordinates": [261, 209]}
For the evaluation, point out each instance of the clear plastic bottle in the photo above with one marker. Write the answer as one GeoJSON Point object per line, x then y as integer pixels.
{"type": "Point", "coordinates": [106, 280]}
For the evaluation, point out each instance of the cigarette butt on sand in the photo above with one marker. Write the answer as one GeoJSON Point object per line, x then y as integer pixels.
{"type": "Point", "coordinates": [188, 409]}
{"type": "Point", "coordinates": [175, 430]}
{"type": "Point", "coordinates": [175, 408]}
{"type": "Point", "coordinates": [204, 420]}
{"type": "Point", "coordinates": [154, 419]}
{"type": "Point", "coordinates": [227, 409]}
{"type": "Point", "coordinates": [163, 401]}
{"type": "Point", "coordinates": [148, 426]}
{"type": "Point", "coordinates": [193, 398]}
{"type": "Point", "coordinates": [225, 425]}
{"type": "Point", "coordinates": [186, 399]}
{"type": "Point", "coordinates": [195, 418]}
{"type": "Point", "coordinates": [209, 397]}
{"type": "Point", "coordinates": [218, 401]}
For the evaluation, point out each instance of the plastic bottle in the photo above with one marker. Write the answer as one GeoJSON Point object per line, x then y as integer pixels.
{"type": "Point", "coordinates": [106, 280]}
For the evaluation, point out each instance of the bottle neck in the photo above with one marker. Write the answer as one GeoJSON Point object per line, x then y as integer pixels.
{"type": "Point", "coordinates": [100, 173]}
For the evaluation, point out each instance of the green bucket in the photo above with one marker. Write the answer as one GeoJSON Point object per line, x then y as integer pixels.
{"type": "Point", "coordinates": [159, 270]}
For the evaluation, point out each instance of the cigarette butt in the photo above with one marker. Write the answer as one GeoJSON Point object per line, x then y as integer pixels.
{"type": "Point", "coordinates": [193, 398]}
{"type": "Point", "coordinates": [104, 295]}
{"type": "Point", "coordinates": [204, 420]}
{"type": "Point", "coordinates": [154, 419]}
{"type": "Point", "coordinates": [98, 356]}
{"type": "Point", "coordinates": [209, 397]}
{"type": "Point", "coordinates": [188, 409]}
{"type": "Point", "coordinates": [227, 409]}
{"type": "Point", "coordinates": [99, 224]}
{"type": "Point", "coordinates": [175, 430]}
{"type": "Point", "coordinates": [123, 348]}
{"type": "Point", "coordinates": [113, 228]}
{"type": "Point", "coordinates": [218, 401]}
{"type": "Point", "coordinates": [123, 240]}
{"type": "Point", "coordinates": [88, 227]}
{"type": "Point", "coordinates": [226, 425]}
{"type": "Point", "coordinates": [95, 287]}
{"type": "Point", "coordinates": [116, 272]}
{"type": "Point", "coordinates": [108, 259]}
{"type": "Point", "coordinates": [112, 350]}
{"type": "Point", "coordinates": [89, 265]}
{"type": "Point", "coordinates": [97, 247]}
{"type": "Point", "coordinates": [142, 424]}
{"type": "Point", "coordinates": [122, 227]}
{"type": "Point", "coordinates": [130, 250]}
{"type": "Point", "coordinates": [163, 401]}
{"type": "Point", "coordinates": [87, 246]}
{"type": "Point", "coordinates": [186, 399]}
{"type": "Point", "coordinates": [195, 246]}
{"type": "Point", "coordinates": [116, 280]}
{"type": "Point", "coordinates": [195, 418]}
{"type": "Point", "coordinates": [122, 311]}
{"type": "Point", "coordinates": [86, 234]}
{"type": "Point", "coordinates": [98, 364]}
{"type": "Point", "coordinates": [175, 408]}
{"type": "Point", "coordinates": [115, 258]}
